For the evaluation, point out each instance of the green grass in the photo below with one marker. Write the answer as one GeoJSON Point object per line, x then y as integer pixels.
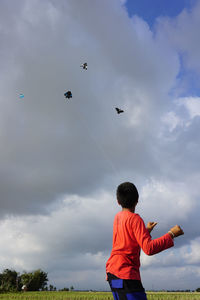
{"type": "Point", "coordinates": [58, 296]}
{"type": "Point", "coordinates": [172, 296]}
{"type": "Point", "coordinates": [93, 296]}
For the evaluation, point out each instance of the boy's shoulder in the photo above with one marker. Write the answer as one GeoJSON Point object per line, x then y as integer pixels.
{"type": "Point", "coordinates": [128, 215]}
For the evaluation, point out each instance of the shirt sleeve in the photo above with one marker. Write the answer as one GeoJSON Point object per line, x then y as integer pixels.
{"type": "Point", "coordinates": [150, 246]}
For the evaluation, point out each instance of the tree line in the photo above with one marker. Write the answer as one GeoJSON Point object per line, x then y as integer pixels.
{"type": "Point", "coordinates": [12, 281]}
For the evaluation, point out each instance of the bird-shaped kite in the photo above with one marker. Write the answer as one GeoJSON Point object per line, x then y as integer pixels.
{"type": "Point", "coordinates": [68, 94]}
{"type": "Point", "coordinates": [84, 66]}
{"type": "Point", "coordinates": [119, 111]}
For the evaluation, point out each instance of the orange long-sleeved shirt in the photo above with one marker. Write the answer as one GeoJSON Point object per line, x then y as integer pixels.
{"type": "Point", "coordinates": [129, 236]}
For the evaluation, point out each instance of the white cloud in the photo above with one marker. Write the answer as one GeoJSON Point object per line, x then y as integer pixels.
{"type": "Point", "coordinates": [181, 32]}
{"type": "Point", "coordinates": [165, 199]}
{"type": "Point", "coordinates": [171, 120]}
{"type": "Point", "coordinates": [64, 240]}
{"type": "Point", "coordinates": [191, 252]}
{"type": "Point", "coordinates": [192, 104]}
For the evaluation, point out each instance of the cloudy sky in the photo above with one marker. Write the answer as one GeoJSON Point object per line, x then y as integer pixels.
{"type": "Point", "coordinates": [61, 161]}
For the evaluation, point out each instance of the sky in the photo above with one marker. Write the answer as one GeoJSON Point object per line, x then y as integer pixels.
{"type": "Point", "coordinates": [149, 11]}
{"type": "Point", "coordinates": [62, 160]}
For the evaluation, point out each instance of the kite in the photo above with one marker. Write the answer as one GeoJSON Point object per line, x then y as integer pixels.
{"type": "Point", "coordinates": [84, 66]}
{"type": "Point", "coordinates": [68, 94]}
{"type": "Point", "coordinates": [119, 111]}
{"type": "Point", "coordinates": [21, 96]}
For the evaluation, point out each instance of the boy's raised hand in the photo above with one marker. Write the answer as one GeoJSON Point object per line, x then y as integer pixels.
{"type": "Point", "coordinates": [151, 225]}
{"type": "Point", "coordinates": [176, 231]}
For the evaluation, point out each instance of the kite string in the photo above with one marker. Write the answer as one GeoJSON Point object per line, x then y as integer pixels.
{"type": "Point", "coordinates": [98, 146]}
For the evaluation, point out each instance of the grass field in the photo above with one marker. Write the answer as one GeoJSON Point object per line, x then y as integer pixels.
{"type": "Point", "coordinates": [93, 296]}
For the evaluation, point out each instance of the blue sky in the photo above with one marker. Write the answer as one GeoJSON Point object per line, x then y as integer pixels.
{"type": "Point", "coordinates": [61, 161]}
{"type": "Point", "coordinates": [151, 10]}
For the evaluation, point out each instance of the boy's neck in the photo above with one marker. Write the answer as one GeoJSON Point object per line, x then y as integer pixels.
{"type": "Point", "coordinates": [128, 209]}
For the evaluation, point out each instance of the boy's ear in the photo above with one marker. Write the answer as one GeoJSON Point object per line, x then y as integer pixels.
{"type": "Point", "coordinates": [118, 202]}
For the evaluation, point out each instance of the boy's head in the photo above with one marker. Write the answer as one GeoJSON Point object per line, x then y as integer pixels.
{"type": "Point", "coordinates": [127, 195]}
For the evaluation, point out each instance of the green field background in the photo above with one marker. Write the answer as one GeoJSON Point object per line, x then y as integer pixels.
{"type": "Point", "coordinates": [94, 296]}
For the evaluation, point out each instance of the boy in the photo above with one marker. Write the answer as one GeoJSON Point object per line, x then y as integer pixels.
{"type": "Point", "coordinates": [129, 236]}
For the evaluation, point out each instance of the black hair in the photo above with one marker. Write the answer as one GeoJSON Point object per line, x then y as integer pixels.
{"type": "Point", "coordinates": [127, 195]}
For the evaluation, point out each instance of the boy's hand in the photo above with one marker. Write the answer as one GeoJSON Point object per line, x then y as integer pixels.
{"type": "Point", "coordinates": [150, 226]}
{"type": "Point", "coordinates": [176, 230]}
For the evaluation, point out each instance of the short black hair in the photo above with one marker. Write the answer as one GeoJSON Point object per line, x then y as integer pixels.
{"type": "Point", "coordinates": [127, 195]}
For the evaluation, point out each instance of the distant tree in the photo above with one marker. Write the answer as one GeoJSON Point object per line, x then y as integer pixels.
{"type": "Point", "coordinates": [9, 281]}
{"type": "Point", "coordinates": [198, 290]}
{"type": "Point", "coordinates": [35, 280]}
{"type": "Point", "coordinates": [71, 288]}
{"type": "Point", "coordinates": [65, 289]}
{"type": "Point", "coordinates": [52, 288]}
